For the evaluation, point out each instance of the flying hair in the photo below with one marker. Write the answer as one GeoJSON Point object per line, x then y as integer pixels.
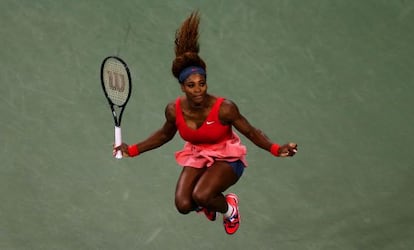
{"type": "Point", "coordinates": [186, 45]}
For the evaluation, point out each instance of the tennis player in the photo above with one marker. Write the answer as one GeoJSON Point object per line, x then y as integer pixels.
{"type": "Point", "coordinates": [213, 157]}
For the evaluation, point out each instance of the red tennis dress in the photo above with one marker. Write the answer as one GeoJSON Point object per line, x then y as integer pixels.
{"type": "Point", "coordinates": [211, 142]}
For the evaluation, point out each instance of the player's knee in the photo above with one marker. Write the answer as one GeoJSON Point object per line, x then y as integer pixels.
{"type": "Point", "coordinates": [201, 198]}
{"type": "Point", "coordinates": [184, 206]}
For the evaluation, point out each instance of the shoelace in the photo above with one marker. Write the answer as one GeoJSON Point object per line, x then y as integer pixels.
{"type": "Point", "coordinates": [233, 220]}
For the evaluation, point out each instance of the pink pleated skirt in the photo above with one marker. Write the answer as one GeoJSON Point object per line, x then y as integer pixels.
{"type": "Point", "coordinates": [204, 155]}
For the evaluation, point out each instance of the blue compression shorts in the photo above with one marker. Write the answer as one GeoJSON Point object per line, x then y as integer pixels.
{"type": "Point", "coordinates": [238, 167]}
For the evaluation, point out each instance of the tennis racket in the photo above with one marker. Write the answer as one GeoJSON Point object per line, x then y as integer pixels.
{"type": "Point", "coordinates": [116, 84]}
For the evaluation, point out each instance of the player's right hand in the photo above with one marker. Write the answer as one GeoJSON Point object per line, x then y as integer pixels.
{"type": "Point", "coordinates": [123, 148]}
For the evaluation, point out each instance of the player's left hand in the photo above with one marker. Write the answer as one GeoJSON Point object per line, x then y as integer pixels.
{"type": "Point", "coordinates": [288, 150]}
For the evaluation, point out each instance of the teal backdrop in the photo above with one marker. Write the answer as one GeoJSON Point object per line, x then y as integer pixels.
{"type": "Point", "coordinates": [334, 76]}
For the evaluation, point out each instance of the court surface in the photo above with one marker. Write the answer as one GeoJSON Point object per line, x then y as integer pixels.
{"type": "Point", "coordinates": [334, 76]}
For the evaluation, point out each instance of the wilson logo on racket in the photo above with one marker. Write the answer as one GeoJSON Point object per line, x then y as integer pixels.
{"type": "Point", "coordinates": [116, 81]}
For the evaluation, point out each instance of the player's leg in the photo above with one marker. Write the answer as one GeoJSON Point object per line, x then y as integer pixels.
{"type": "Point", "coordinates": [208, 192]}
{"type": "Point", "coordinates": [184, 190]}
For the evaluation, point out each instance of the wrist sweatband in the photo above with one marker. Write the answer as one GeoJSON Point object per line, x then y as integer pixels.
{"type": "Point", "coordinates": [133, 150]}
{"type": "Point", "coordinates": [274, 149]}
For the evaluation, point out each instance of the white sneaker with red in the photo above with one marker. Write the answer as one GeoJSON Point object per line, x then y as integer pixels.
{"type": "Point", "coordinates": [232, 223]}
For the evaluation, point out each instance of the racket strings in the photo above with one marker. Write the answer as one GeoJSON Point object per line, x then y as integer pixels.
{"type": "Point", "coordinates": [116, 82]}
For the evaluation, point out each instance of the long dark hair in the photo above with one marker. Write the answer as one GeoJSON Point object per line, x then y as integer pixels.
{"type": "Point", "coordinates": [187, 46]}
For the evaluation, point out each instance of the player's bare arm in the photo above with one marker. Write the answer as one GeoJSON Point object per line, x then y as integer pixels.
{"type": "Point", "coordinates": [162, 135]}
{"type": "Point", "coordinates": [230, 114]}
{"type": "Point", "coordinates": [159, 137]}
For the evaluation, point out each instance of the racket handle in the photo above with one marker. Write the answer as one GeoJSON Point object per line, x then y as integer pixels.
{"type": "Point", "coordinates": [118, 141]}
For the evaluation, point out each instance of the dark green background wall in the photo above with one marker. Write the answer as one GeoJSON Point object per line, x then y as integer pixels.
{"type": "Point", "coordinates": [334, 76]}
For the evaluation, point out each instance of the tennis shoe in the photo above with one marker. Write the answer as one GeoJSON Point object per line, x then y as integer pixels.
{"type": "Point", "coordinates": [211, 215]}
{"type": "Point", "coordinates": [232, 223]}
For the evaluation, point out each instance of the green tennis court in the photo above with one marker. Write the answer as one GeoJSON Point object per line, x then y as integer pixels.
{"type": "Point", "coordinates": [334, 76]}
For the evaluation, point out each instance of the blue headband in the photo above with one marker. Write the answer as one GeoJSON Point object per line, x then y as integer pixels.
{"type": "Point", "coordinates": [185, 73]}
